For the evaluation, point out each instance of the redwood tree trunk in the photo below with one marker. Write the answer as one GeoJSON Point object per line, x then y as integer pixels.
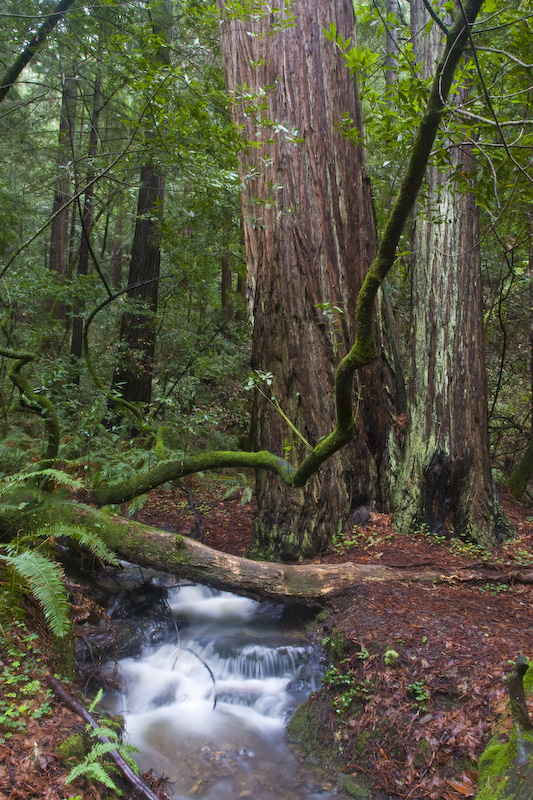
{"type": "Point", "coordinates": [133, 376]}
{"type": "Point", "coordinates": [59, 231]}
{"type": "Point", "coordinates": [134, 371]}
{"type": "Point", "coordinates": [310, 235]}
{"type": "Point", "coordinates": [87, 219]}
{"type": "Point", "coordinates": [446, 482]}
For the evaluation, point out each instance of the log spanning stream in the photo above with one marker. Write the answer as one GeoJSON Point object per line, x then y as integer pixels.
{"type": "Point", "coordinates": [210, 711]}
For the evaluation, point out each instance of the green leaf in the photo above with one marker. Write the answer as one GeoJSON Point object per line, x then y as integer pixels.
{"type": "Point", "coordinates": [44, 579]}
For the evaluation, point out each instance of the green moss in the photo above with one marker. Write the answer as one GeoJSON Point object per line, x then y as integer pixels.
{"type": "Point", "coordinates": [300, 727]}
{"type": "Point", "coordinates": [73, 747]}
{"type": "Point", "coordinates": [504, 765]}
{"type": "Point", "coordinates": [353, 787]}
{"type": "Point", "coordinates": [336, 644]}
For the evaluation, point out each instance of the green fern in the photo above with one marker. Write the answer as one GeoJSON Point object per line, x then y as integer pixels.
{"type": "Point", "coordinates": [44, 579]}
{"type": "Point", "coordinates": [93, 770]}
{"type": "Point", "coordinates": [92, 767]}
{"type": "Point", "coordinates": [82, 536]}
{"type": "Point", "coordinates": [38, 572]}
{"type": "Point", "coordinates": [55, 475]}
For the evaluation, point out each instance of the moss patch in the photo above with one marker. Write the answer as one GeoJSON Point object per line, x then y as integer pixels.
{"type": "Point", "coordinates": [505, 767]}
{"type": "Point", "coordinates": [353, 787]}
{"type": "Point", "coordinates": [73, 747]}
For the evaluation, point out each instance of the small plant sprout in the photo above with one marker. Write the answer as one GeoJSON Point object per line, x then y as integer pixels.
{"type": "Point", "coordinates": [420, 694]}
{"type": "Point", "coordinates": [390, 657]}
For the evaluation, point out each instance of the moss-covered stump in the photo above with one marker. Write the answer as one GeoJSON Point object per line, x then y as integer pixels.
{"type": "Point", "coordinates": [506, 765]}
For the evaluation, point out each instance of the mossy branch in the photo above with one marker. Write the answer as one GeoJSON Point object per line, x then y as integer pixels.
{"type": "Point", "coordinates": [363, 351]}
{"type": "Point", "coordinates": [34, 401]}
{"type": "Point", "coordinates": [121, 491]}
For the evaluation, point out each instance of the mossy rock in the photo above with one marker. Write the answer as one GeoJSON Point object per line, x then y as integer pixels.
{"type": "Point", "coordinates": [72, 747]}
{"type": "Point", "coordinates": [303, 729]}
{"type": "Point", "coordinates": [506, 765]}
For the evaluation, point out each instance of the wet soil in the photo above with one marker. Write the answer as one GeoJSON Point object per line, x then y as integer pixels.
{"type": "Point", "coordinates": [411, 725]}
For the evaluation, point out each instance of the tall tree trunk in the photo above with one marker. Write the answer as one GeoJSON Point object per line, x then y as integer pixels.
{"type": "Point", "coordinates": [310, 235]}
{"type": "Point", "coordinates": [59, 233]}
{"type": "Point", "coordinates": [226, 275]}
{"type": "Point", "coordinates": [134, 371]}
{"type": "Point", "coordinates": [446, 482]}
{"type": "Point", "coordinates": [133, 376]}
{"type": "Point", "coordinates": [86, 218]}
{"type": "Point", "coordinates": [117, 252]}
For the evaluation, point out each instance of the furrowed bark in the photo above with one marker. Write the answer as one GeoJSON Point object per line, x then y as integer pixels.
{"type": "Point", "coordinates": [310, 236]}
{"type": "Point", "coordinates": [363, 351]}
{"type": "Point", "coordinates": [445, 481]}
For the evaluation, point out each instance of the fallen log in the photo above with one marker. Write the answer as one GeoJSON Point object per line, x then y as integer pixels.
{"type": "Point", "coordinates": [306, 583]}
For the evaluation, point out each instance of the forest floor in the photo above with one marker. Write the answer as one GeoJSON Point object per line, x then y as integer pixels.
{"type": "Point", "coordinates": [415, 725]}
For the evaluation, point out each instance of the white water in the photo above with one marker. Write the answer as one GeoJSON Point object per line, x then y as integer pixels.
{"type": "Point", "coordinates": [210, 711]}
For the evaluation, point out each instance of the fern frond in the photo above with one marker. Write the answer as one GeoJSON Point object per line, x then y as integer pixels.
{"type": "Point", "coordinates": [83, 536]}
{"type": "Point", "coordinates": [96, 700]}
{"type": "Point", "coordinates": [56, 475]}
{"type": "Point", "coordinates": [93, 771]}
{"type": "Point", "coordinates": [44, 579]}
{"type": "Point", "coordinates": [108, 733]}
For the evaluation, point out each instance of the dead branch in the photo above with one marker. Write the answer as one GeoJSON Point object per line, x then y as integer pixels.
{"type": "Point", "coordinates": [122, 765]}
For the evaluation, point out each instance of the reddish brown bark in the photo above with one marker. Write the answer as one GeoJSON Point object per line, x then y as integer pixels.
{"type": "Point", "coordinates": [447, 483]}
{"type": "Point", "coordinates": [310, 236]}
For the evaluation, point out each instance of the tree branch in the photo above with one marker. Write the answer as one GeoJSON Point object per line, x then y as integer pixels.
{"type": "Point", "coordinates": [29, 51]}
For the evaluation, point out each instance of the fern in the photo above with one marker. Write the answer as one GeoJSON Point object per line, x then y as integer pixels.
{"type": "Point", "coordinates": [82, 536]}
{"type": "Point", "coordinates": [93, 770]}
{"type": "Point", "coordinates": [55, 475]}
{"type": "Point", "coordinates": [42, 576]}
{"type": "Point", "coordinates": [92, 767]}
{"type": "Point", "coordinates": [44, 579]}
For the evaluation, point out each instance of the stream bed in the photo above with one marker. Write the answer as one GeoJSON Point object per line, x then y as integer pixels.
{"type": "Point", "coordinates": [208, 708]}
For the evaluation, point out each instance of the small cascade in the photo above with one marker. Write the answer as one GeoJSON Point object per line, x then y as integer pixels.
{"type": "Point", "coordinates": [209, 711]}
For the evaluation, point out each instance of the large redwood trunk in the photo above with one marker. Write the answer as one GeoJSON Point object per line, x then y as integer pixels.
{"type": "Point", "coordinates": [446, 483]}
{"type": "Point", "coordinates": [310, 236]}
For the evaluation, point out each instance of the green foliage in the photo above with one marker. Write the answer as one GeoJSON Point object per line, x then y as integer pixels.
{"type": "Point", "coordinates": [95, 767]}
{"type": "Point", "coordinates": [21, 695]}
{"type": "Point", "coordinates": [419, 691]}
{"type": "Point", "coordinates": [28, 559]}
{"type": "Point", "coordinates": [347, 689]}
{"type": "Point", "coordinates": [44, 579]}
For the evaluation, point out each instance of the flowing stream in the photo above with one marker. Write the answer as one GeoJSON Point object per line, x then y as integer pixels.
{"type": "Point", "coordinates": [209, 708]}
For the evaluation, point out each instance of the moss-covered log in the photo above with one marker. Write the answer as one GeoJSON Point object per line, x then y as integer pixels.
{"type": "Point", "coordinates": [307, 583]}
